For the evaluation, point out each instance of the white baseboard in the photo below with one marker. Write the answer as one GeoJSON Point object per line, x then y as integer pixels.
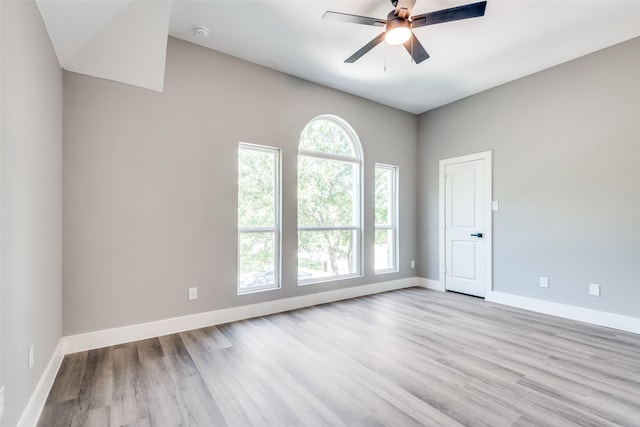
{"type": "Point", "coordinates": [39, 397]}
{"type": "Point", "coordinates": [587, 315]}
{"type": "Point", "coordinates": [436, 285]}
{"type": "Point", "coordinates": [601, 318]}
{"type": "Point", "coordinates": [108, 337]}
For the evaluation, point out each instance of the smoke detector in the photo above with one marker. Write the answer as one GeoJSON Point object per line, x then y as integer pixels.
{"type": "Point", "coordinates": [201, 31]}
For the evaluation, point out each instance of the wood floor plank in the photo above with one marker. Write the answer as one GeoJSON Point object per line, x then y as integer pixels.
{"type": "Point", "coordinates": [58, 414]}
{"type": "Point", "coordinates": [124, 405]}
{"type": "Point", "coordinates": [214, 366]}
{"type": "Point", "coordinates": [99, 416]}
{"type": "Point", "coordinates": [149, 349]}
{"type": "Point", "coordinates": [177, 355]}
{"type": "Point", "coordinates": [405, 358]}
{"type": "Point", "coordinates": [69, 378]}
{"type": "Point", "coordinates": [96, 389]}
{"type": "Point", "coordinates": [173, 399]}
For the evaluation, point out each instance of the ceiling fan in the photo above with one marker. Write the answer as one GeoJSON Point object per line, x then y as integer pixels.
{"type": "Point", "coordinates": [399, 24]}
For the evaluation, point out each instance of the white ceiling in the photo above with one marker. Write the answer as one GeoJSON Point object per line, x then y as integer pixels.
{"type": "Point", "coordinates": [126, 41]}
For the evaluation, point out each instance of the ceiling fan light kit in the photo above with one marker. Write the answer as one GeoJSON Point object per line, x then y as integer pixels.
{"type": "Point", "coordinates": [399, 25]}
{"type": "Point", "coordinates": [397, 31]}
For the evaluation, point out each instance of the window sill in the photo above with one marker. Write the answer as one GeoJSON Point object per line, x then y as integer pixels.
{"type": "Point", "coordinates": [386, 271]}
{"type": "Point", "coordinates": [328, 279]}
{"type": "Point", "coordinates": [258, 289]}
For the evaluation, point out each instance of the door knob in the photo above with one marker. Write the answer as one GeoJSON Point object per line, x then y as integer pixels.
{"type": "Point", "coordinates": [476, 235]}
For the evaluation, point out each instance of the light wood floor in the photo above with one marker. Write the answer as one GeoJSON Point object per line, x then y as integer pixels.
{"type": "Point", "coordinates": [403, 358]}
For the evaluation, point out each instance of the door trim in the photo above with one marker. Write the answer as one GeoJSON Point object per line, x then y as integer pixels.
{"type": "Point", "coordinates": [488, 233]}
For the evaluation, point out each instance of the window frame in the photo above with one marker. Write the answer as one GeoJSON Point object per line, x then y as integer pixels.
{"type": "Point", "coordinates": [358, 160]}
{"type": "Point", "coordinates": [393, 225]}
{"type": "Point", "coordinates": [277, 222]}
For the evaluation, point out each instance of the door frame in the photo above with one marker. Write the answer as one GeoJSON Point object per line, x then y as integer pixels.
{"type": "Point", "coordinates": [488, 228]}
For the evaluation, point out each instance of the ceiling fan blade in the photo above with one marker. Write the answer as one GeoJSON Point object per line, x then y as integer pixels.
{"type": "Point", "coordinates": [415, 49]}
{"type": "Point", "coordinates": [364, 49]}
{"type": "Point", "coordinates": [472, 10]}
{"type": "Point", "coordinates": [354, 19]}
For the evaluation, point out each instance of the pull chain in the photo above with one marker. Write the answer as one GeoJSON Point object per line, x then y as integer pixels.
{"type": "Point", "coordinates": [385, 57]}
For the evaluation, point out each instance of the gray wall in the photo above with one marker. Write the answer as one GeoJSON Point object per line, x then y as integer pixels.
{"type": "Point", "coordinates": [1, 126]}
{"type": "Point", "coordinates": [31, 202]}
{"type": "Point", "coordinates": [566, 174]}
{"type": "Point", "coordinates": [150, 184]}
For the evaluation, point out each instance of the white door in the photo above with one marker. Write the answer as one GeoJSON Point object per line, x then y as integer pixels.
{"type": "Point", "coordinates": [465, 227]}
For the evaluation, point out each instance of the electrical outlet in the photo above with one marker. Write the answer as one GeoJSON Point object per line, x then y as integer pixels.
{"type": "Point", "coordinates": [413, 264]}
{"type": "Point", "coordinates": [544, 282]}
{"type": "Point", "coordinates": [1, 402]}
{"type": "Point", "coordinates": [594, 289]}
{"type": "Point", "coordinates": [193, 293]}
{"type": "Point", "coordinates": [30, 356]}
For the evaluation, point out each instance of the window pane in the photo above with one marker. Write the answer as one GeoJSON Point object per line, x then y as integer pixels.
{"type": "Point", "coordinates": [257, 261]}
{"type": "Point", "coordinates": [384, 195]}
{"type": "Point", "coordinates": [258, 218]}
{"type": "Point", "coordinates": [256, 188]}
{"type": "Point", "coordinates": [326, 136]}
{"type": "Point", "coordinates": [386, 217]}
{"type": "Point", "coordinates": [384, 250]}
{"type": "Point", "coordinates": [327, 194]}
{"type": "Point", "coordinates": [325, 254]}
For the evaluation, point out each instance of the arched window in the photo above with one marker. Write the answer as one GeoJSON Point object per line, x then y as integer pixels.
{"type": "Point", "coordinates": [329, 201]}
